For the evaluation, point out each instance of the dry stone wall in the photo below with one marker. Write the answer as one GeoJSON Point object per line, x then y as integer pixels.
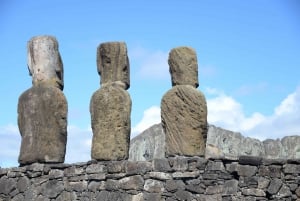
{"type": "Point", "coordinates": [174, 178]}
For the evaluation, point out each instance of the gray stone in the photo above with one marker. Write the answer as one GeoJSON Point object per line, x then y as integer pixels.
{"type": "Point", "coordinates": [223, 143]}
{"type": "Point", "coordinates": [55, 174]}
{"type": "Point", "coordinates": [274, 149]}
{"type": "Point", "coordinates": [298, 191]}
{"type": "Point", "coordinates": [183, 66]}
{"type": "Point", "coordinates": [44, 61]}
{"type": "Point", "coordinates": [78, 186]}
{"type": "Point", "coordinates": [18, 197]}
{"type": "Point", "coordinates": [179, 163]}
{"type": "Point", "coordinates": [94, 186]}
{"type": "Point", "coordinates": [291, 144]}
{"type": "Point", "coordinates": [110, 109]}
{"type": "Point", "coordinates": [217, 197]}
{"type": "Point", "coordinates": [284, 192]}
{"type": "Point", "coordinates": [184, 120]}
{"type": "Point", "coordinates": [246, 170]}
{"type": "Point", "coordinates": [160, 175]}
{"type": "Point", "coordinates": [250, 160]}
{"type": "Point", "coordinates": [254, 192]}
{"type": "Point", "coordinates": [113, 63]}
{"type": "Point", "coordinates": [139, 167]}
{"type": "Point", "coordinates": [183, 195]}
{"type": "Point", "coordinates": [154, 186]}
{"type": "Point", "coordinates": [7, 185]}
{"type": "Point", "coordinates": [262, 183]}
{"type": "Point", "coordinates": [150, 144]}
{"type": "Point", "coordinates": [215, 166]}
{"type": "Point", "coordinates": [171, 185]}
{"type": "Point", "coordinates": [273, 171]}
{"type": "Point", "coordinates": [132, 183]}
{"type": "Point", "coordinates": [274, 186]}
{"type": "Point", "coordinates": [292, 168]}
{"type": "Point", "coordinates": [218, 189]}
{"type": "Point", "coordinates": [177, 175]}
{"type": "Point", "coordinates": [230, 187]}
{"type": "Point", "coordinates": [116, 166]}
{"type": "Point", "coordinates": [95, 168]}
{"type": "Point", "coordinates": [23, 184]}
{"type": "Point", "coordinates": [161, 165]}
{"type": "Point", "coordinates": [52, 188]}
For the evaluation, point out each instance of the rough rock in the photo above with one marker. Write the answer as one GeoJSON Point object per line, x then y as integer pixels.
{"type": "Point", "coordinates": [183, 66]}
{"type": "Point", "coordinates": [183, 108]}
{"type": "Point", "coordinates": [113, 63]}
{"type": "Point", "coordinates": [44, 61]}
{"type": "Point", "coordinates": [222, 143]}
{"type": "Point", "coordinates": [42, 109]}
{"type": "Point", "coordinates": [110, 113]}
{"type": "Point", "coordinates": [184, 119]}
{"type": "Point", "coordinates": [110, 106]}
{"type": "Point", "coordinates": [148, 145]}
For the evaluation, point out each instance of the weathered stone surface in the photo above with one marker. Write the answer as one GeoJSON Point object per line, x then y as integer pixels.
{"type": "Point", "coordinates": [148, 145]}
{"type": "Point", "coordinates": [183, 108]}
{"type": "Point", "coordinates": [153, 186]}
{"type": "Point", "coordinates": [161, 164]}
{"type": "Point", "coordinates": [110, 113]}
{"type": "Point", "coordinates": [42, 109]}
{"type": "Point", "coordinates": [44, 61]}
{"type": "Point", "coordinates": [113, 63]}
{"type": "Point", "coordinates": [91, 181]}
{"type": "Point", "coordinates": [132, 183]}
{"type": "Point", "coordinates": [183, 66]}
{"type": "Point", "coordinates": [274, 186]}
{"type": "Point", "coordinates": [110, 106]}
{"type": "Point", "coordinates": [291, 145]}
{"type": "Point", "coordinates": [254, 192]}
{"type": "Point", "coordinates": [184, 119]}
{"type": "Point", "coordinates": [221, 143]}
{"type": "Point", "coordinates": [52, 188]}
{"type": "Point", "coordinates": [140, 167]}
{"type": "Point", "coordinates": [42, 121]}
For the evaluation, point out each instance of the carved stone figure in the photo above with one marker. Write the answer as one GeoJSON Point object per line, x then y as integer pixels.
{"type": "Point", "coordinates": [183, 108]}
{"type": "Point", "coordinates": [42, 109]}
{"type": "Point", "coordinates": [110, 106]}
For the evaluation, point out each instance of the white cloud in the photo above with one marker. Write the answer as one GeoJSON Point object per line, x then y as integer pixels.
{"type": "Point", "coordinates": [151, 116]}
{"type": "Point", "coordinates": [226, 112]}
{"type": "Point", "coordinates": [78, 145]}
{"type": "Point", "coordinates": [151, 64]}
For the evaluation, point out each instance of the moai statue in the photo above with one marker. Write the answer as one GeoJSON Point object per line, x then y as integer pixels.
{"type": "Point", "coordinates": [110, 106]}
{"type": "Point", "coordinates": [183, 108]}
{"type": "Point", "coordinates": [42, 109]}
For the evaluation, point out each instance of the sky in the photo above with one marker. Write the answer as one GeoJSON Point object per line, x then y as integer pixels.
{"type": "Point", "coordinates": [248, 58]}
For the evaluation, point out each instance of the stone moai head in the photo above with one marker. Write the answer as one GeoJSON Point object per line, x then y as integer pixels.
{"type": "Point", "coordinates": [44, 62]}
{"type": "Point", "coordinates": [183, 66]}
{"type": "Point", "coordinates": [113, 64]}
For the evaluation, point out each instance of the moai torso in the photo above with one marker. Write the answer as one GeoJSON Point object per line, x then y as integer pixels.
{"type": "Point", "coordinates": [110, 106]}
{"type": "Point", "coordinates": [42, 109]}
{"type": "Point", "coordinates": [183, 108]}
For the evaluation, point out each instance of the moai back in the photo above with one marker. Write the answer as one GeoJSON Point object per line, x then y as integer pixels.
{"type": "Point", "coordinates": [42, 109]}
{"type": "Point", "coordinates": [183, 108]}
{"type": "Point", "coordinates": [110, 106]}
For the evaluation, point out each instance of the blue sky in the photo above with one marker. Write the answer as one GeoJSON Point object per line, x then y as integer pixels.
{"type": "Point", "coordinates": [248, 56]}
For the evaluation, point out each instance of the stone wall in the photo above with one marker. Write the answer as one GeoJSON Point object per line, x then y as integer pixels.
{"type": "Point", "coordinates": [174, 178]}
